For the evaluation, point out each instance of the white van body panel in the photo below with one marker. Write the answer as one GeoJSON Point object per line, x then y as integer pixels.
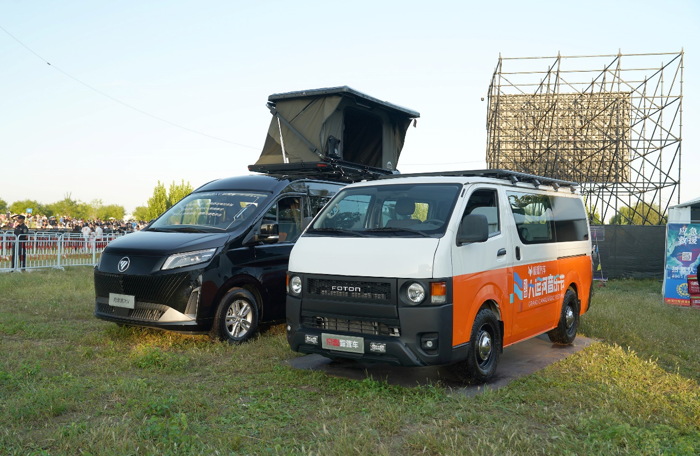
{"type": "Point", "coordinates": [365, 257]}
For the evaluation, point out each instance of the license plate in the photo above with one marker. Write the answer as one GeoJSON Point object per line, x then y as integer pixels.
{"type": "Point", "coordinates": [120, 300]}
{"type": "Point", "coordinates": [343, 343]}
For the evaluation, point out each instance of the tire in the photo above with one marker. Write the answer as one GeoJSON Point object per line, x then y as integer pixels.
{"type": "Point", "coordinates": [236, 317]}
{"type": "Point", "coordinates": [484, 350]}
{"type": "Point", "coordinates": [565, 332]}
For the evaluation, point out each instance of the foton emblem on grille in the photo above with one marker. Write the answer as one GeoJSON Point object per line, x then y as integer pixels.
{"type": "Point", "coordinates": [123, 264]}
{"type": "Point", "coordinates": [342, 288]}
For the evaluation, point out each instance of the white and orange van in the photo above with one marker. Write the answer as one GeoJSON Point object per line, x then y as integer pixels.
{"type": "Point", "coordinates": [444, 268]}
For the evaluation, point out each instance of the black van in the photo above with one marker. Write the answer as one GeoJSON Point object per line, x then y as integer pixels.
{"type": "Point", "coordinates": [217, 260]}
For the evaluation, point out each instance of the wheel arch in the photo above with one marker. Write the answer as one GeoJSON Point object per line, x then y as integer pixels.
{"type": "Point", "coordinates": [248, 283]}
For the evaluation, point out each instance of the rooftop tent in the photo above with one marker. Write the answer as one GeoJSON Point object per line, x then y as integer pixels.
{"type": "Point", "coordinates": [339, 123]}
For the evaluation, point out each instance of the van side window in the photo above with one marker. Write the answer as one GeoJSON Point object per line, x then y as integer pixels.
{"type": "Point", "coordinates": [569, 219]}
{"type": "Point", "coordinates": [485, 202]}
{"type": "Point", "coordinates": [287, 212]}
{"type": "Point", "coordinates": [533, 217]}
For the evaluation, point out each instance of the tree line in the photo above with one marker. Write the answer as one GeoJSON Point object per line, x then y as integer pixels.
{"type": "Point", "coordinates": [161, 201]}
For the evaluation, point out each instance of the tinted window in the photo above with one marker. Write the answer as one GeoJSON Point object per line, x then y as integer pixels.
{"type": "Point", "coordinates": [569, 219]}
{"type": "Point", "coordinates": [533, 217]}
{"type": "Point", "coordinates": [287, 212]}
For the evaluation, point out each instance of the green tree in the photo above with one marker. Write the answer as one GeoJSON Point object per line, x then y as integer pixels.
{"type": "Point", "coordinates": [641, 214]}
{"type": "Point", "coordinates": [161, 200]}
{"type": "Point", "coordinates": [66, 206]}
{"type": "Point", "coordinates": [141, 213]}
{"type": "Point", "coordinates": [20, 207]}
{"type": "Point", "coordinates": [177, 192]}
{"type": "Point", "coordinates": [158, 203]}
{"type": "Point", "coordinates": [3, 205]}
{"type": "Point", "coordinates": [111, 210]}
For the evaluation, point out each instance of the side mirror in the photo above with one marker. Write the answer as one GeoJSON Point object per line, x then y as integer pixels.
{"type": "Point", "coordinates": [474, 228]}
{"type": "Point", "coordinates": [269, 233]}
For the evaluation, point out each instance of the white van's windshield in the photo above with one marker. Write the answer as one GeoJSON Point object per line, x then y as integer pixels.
{"type": "Point", "coordinates": [210, 212]}
{"type": "Point", "coordinates": [403, 210]}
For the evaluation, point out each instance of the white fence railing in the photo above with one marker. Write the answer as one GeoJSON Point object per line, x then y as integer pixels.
{"type": "Point", "coordinates": [50, 250]}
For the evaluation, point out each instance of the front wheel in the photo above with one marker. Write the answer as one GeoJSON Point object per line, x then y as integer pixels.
{"type": "Point", "coordinates": [484, 349]}
{"type": "Point", "coordinates": [237, 317]}
{"type": "Point", "coordinates": [565, 332]}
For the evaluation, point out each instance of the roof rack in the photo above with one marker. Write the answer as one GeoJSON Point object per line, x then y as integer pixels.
{"type": "Point", "coordinates": [332, 170]}
{"type": "Point", "coordinates": [512, 176]}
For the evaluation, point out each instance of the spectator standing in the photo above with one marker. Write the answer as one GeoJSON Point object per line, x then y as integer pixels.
{"type": "Point", "coordinates": [86, 234]}
{"type": "Point", "coordinates": [19, 250]}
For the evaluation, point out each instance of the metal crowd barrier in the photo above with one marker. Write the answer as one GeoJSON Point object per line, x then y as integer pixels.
{"type": "Point", "coordinates": [39, 250]}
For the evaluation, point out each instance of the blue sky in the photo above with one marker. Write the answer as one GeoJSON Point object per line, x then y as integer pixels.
{"type": "Point", "coordinates": [209, 66]}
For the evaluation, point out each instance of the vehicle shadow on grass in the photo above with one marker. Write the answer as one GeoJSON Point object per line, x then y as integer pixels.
{"type": "Point", "coordinates": [515, 362]}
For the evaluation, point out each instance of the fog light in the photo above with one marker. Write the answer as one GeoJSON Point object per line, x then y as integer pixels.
{"type": "Point", "coordinates": [429, 341]}
{"type": "Point", "coordinates": [377, 347]}
{"type": "Point", "coordinates": [311, 339]}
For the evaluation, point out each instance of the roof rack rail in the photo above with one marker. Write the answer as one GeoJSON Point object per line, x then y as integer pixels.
{"type": "Point", "coordinates": [332, 170]}
{"type": "Point", "coordinates": [512, 176]}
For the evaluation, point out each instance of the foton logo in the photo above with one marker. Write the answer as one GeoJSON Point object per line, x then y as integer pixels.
{"type": "Point", "coordinates": [123, 264]}
{"type": "Point", "coordinates": [342, 288]}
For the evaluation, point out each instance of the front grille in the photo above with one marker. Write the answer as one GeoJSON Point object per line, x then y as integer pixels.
{"type": "Point", "coordinates": [351, 326]}
{"type": "Point", "coordinates": [157, 289]}
{"type": "Point", "coordinates": [350, 289]}
{"type": "Point", "coordinates": [146, 311]}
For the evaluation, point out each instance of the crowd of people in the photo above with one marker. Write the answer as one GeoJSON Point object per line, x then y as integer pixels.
{"type": "Point", "coordinates": [67, 224]}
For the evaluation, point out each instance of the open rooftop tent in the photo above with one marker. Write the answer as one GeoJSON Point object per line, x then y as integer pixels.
{"type": "Point", "coordinates": [318, 128]}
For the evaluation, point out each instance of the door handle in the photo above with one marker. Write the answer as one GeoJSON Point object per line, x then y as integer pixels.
{"type": "Point", "coordinates": [517, 253]}
{"type": "Point", "coordinates": [501, 252]}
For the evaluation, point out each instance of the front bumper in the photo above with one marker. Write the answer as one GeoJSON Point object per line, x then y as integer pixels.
{"type": "Point", "coordinates": [406, 338]}
{"type": "Point", "coordinates": [167, 301]}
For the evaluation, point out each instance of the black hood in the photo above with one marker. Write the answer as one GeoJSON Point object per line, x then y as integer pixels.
{"type": "Point", "coordinates": [160, 243]}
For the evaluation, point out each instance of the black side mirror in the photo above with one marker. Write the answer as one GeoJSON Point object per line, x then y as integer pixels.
{"type": "Point", "coordinates": [269, 233]}
{"type": "Point", "coordinates": [474, 228]}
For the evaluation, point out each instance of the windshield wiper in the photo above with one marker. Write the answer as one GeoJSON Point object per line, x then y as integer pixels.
{"type": "Point", "coordinates": [397, 230]}
{"type": "Point", "coordinates": [188, 229]}
{"type": "Point", "coordinates": [335, 230]}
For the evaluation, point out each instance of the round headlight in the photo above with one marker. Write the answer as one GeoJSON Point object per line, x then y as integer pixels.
{"type": "Point", "coordinates": [416, 293]}
{"type": "Point", "coordinates": [295, 285]}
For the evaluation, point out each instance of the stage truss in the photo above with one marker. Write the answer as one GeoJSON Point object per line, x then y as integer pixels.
{"type": "Point", "coordinates": [611, 122]}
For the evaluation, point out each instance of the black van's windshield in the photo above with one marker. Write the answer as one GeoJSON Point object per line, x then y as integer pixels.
{"type": "Point", "coordinates": [405, 210]}
{"type": "Point", "coordinates": [210, 212]}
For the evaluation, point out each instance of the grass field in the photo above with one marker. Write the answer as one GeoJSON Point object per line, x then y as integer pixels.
{"type": "Point", "coordinates": [72, 384]}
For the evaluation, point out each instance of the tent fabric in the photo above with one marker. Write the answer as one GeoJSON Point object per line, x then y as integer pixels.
{"type": "Point", "coordinates": [321, 117]}
{"type": "Point", "coordinates": [310, 118]}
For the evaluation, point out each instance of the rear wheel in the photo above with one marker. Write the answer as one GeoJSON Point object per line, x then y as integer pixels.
{"type": "Point", "coordinates": [237, 317]}
{"type": "Point", "coordinates": [565, 332]}
{"type": "Point", "coordinates": [484, 349]}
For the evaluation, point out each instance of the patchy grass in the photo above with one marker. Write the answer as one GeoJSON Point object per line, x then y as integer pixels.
{"type": "Point", "coordinates": [71, 384]}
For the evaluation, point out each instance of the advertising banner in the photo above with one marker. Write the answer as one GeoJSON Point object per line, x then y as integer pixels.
{"type": "Point", "coordinates": [682, 259]}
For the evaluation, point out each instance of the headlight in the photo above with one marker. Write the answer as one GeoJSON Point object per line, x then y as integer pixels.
{"type": "Point", "coordinates": [180, 260]}
{"type": "Point", "coordinates": [295, 285]}
{"type": "Point", "coordinates": [415, 293]}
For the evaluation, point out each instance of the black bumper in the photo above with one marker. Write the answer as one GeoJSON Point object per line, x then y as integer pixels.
{"type": "Point", "coordinates": [154, 296]}
{"type": "Point", "coordinates": [417, 325]}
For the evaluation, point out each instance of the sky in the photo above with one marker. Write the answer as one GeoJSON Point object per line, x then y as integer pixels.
{"type": "Point", "coordinates": [136, 92]}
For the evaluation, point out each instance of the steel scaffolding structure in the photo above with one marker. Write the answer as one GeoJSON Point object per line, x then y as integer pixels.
{"type": "Point", "coordinates": [617, 131]}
